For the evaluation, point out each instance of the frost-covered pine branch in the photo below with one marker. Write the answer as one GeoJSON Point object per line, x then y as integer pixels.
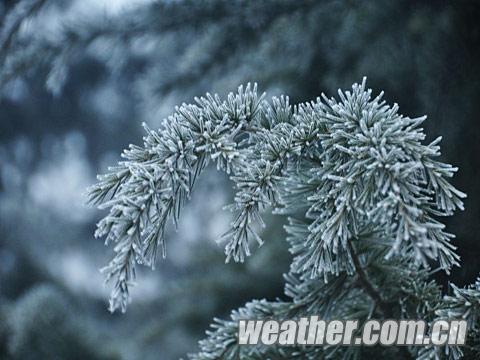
{"type": "Point", "coordinates": [462, 303]}
{"type": "Point", "coordinates": [151, 185]}
{"type": "Point", "coordinates": [364, 196]}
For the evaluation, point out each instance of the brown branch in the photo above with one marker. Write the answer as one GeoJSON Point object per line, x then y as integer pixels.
{"type": "Point", "coordinates": [384, 307]}
{"type": "Point", "coordinates": [367, 285]}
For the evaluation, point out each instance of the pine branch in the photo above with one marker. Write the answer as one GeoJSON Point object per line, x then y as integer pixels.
{"type": "Point", "coordinates": [347, 169]}
{"type": "Point", "coordinates": [367, 285]}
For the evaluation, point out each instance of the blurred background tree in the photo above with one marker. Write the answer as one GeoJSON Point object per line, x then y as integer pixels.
{"type": "Point", "coordinates": [78, 77]}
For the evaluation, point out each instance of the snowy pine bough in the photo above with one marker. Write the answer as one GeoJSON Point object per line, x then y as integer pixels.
{"type": "Point", "coordinates": [363, 194]}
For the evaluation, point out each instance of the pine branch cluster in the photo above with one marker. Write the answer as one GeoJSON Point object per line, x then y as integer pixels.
{"type": "Point", "coordinates": [363, 194]}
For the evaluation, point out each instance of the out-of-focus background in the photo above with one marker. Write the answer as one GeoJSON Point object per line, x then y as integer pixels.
{"type": "Point", "coordinates": [78, 77]}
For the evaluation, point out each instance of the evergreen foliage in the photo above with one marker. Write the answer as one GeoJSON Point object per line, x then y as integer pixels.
{"type": "Point", "coordinates": [363, 194]}
{"type": "Point", "coordinates": [424, 55]}
{"type": "Point", "coordinates": [43, 320]}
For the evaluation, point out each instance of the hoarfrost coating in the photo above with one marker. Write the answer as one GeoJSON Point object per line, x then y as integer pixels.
{"type": "Point", "coordinates": [369, 173]}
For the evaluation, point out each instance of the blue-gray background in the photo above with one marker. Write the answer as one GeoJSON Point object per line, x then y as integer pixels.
{"type": "Point", "coordinates": [118, 63]}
